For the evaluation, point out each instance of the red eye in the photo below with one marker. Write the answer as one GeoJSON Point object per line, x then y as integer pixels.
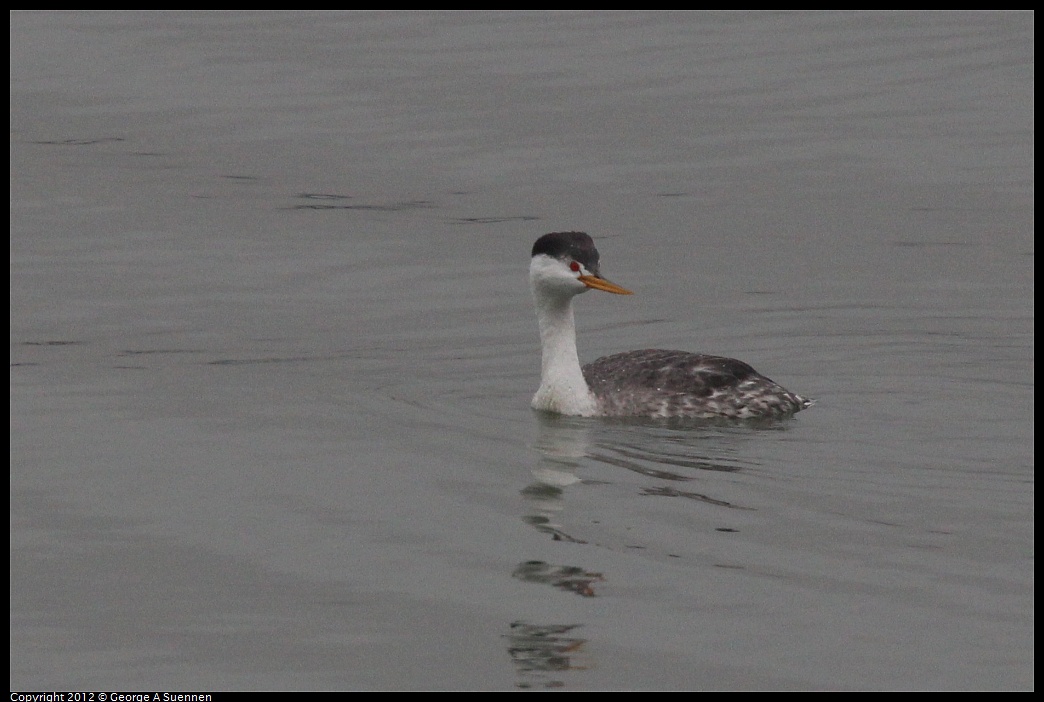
{"type": "Point", "coordinates": [575, 267]}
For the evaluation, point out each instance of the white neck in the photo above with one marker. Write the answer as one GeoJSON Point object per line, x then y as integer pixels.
{"type": "Point", "coordinates": [562, 385]}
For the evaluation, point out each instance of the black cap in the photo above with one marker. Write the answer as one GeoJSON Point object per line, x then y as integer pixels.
{"type": "Point", "coordinates": [575, 246]}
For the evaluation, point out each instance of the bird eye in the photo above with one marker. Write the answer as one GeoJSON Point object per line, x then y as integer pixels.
{"type": "Point", "coordinates": [575, 267]}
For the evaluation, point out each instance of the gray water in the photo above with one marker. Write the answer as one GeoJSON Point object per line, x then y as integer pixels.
{"type": "Point", "coordinates": [272, 350]}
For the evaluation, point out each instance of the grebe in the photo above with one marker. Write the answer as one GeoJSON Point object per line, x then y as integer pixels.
{"type": "Point", "coordinates": [649, 383]}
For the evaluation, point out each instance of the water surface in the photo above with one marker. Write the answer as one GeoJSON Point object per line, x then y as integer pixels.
{"type": "Point", "coordinates": [272, 350]}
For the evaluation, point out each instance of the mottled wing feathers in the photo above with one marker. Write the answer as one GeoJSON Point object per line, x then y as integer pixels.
{"type": "Point", "coordinates": [680, 384]}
